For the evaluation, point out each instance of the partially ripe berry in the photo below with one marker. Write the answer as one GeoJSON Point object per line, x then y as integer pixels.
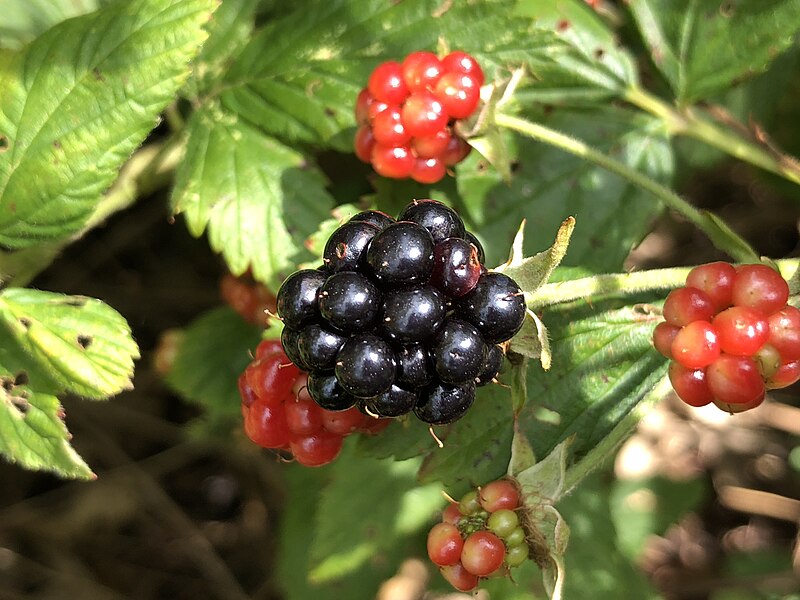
{"type": "Point", "coordinates": [364, 143]}
{"type": "Point", "coordinates": [395, 162]}
{"type": "Point", "coordinates": [421, 70]}
{"type": "Point", "coordinates": [687, 304]}
{"type": "Point", "coordinates": [784, 332]}
{"type": "Point", "coordinates": [363, 101]}
{"type": "Point", "coordinates": [499, 495]}
{"type": "Point", "coordinates": [691, 385]}
{"type": "Point", "coordinates": [458, 94]}
{"type": "Point", "coordinates": [739, 408]}
{"type": "Point", "coordinates": [502, 522]}
{"type": "Point", "coordinates": [271, 378]}
{"type": "Point", "coordinates": [456, 267]}
{"type": "Point", "coordinates": [461, 579]}
{"type": "Point", "coordinates": [389, 128]}
{"type": "Point", "coordinates": [742, 330]}
{"type": "Point", "coordinates": [696, 345]}
{"type": "Point", "coordinates": [303, 417]}
{"type": "Point", "coordinates": [265, 424]}
{"type": "Point", "coordinates": [444, 544]}
{"type": "Point", "coordinates": [428, 170]}
{"type": "Point", "coordinates": [423, 114]}
{"type": "Point", "coordinates": [457, 150]}
{"type": "Point", "coordinates": [451, 514]}
{"type": "Point", "coordinates": [386, 83]}
{"type": "Point", "coordinates": [469, 503]}
{"type": "Point", "coordinates": [787, 374]}
{"type": "Point", "coordinates": [431, 146]}
{"type": "Point", "coordinates": [461, 62]}
{"type": "Point", "coordinates": [343, 422]}
{"type": "Point", "coordinates": [516, 555]}
{"type": "Point", "coordinates": [317, 449]}
{"type": "Point", "coordinates": [734, 379]}
{"type": "Point", "coordinates": [663, 335]}
{"type": "Point", "coordinates": [760, 287]}
{"type": "Point", "coordinates": [768, 360]}
{"type": "Point", "coordinates": [716, 280]}
{"type": "Point", "coordinates": [483, 553]}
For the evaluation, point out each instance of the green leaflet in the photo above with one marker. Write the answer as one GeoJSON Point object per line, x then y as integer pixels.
{"type": "Point", "coordinates": [702, 48]}
{"type": "Point", "coordinates": [258, 198]}
{"type": "Point", "coordinates": [78, 100]}
{"type": "Point", "coordinates": [51, 344]}
{"type": "Point", "coordinates": [85, 346]}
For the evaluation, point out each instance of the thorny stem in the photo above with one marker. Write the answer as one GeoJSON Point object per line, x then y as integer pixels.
{"type": "Point", "coordinates": [722, 237]}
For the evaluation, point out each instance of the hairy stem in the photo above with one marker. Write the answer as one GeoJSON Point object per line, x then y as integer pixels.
{"type": "Point", "coordinates": [691, 123]}
{"type": "Point", "coordinates": [627, 284]}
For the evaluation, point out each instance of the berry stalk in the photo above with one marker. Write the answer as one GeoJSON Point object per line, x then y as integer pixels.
{"type": "Point", "coordinates": [720, 234]}
{"type": "Point", "coordinates": [626, 284]}
{"type": "Point", "coordinates": [691, 123]}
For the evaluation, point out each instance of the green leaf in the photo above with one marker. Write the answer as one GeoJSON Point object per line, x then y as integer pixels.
{"type": "Point", "coordinates": [477, 447]}
{"type": "Point", "coordinates": [85, 345]}
{"type": "Point", "coordinates": [591, 64]}
{"type": "Point", "coordinates": [258, 199]}
{"type": "Point", "coordinates": [375, 520]}
{"type": "Point", "coordinates": [703, 48]}
{"type": "Point", "coordinates": [212, 352]}
{"type": "Point", "coordinates": [32, 430]}
{"type": "Point", "coordinates": [548, 186]}
{"type": "Point", "coordinates": [23, 20]}
{"type": "Point", "coordinates": [299, 76]}
{"type": "Point", "coordinates": [228, 32]}
{"type": "Point", "coordinates": [603, 366]}
{"type": "Point", "coordinates": [78, 100]}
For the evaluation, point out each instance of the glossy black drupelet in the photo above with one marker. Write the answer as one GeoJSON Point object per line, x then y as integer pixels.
{"type": "Point", "coordinates": [401, 254]}
{"type": "Point", "coordinates": [297, 297]}
{"type": "Point", "coordinates": [441, 221]}
{"type": "Point", "coordinates": [495, 306]}
{"type": "Point", "coordinates": [349, 301]}
{"type": "Point", "coordinates": [402, 317]}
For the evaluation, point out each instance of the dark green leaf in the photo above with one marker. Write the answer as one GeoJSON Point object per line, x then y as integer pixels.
{"type": "Point", "coordinates": [603, 366]}
{"type": "Point", "coordinates": [78, 100]}
{"type": "Point", "coordinates": [258, 199]}
{"type": "Point", "coordinates": [704, 47]}
{"type": "Point", "coordinates": [85, 345]}
{"type": "Point", "coordinates": [212, 352]}
{"type": "Point", "coordinates": [591, 64]}
{"type": "Point", "coordinates": [549, 185]}
{"type": "Point", "coordinates": [299, 77]}
{"type": "Point", "coordinates": [356, 529]}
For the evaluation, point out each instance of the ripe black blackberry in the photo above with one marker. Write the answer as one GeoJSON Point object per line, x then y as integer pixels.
{"type": "Point", "coordinates": [401, 317]}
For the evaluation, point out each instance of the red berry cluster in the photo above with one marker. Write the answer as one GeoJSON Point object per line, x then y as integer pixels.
{"type": "Point", "coordinates": [278, 412]}
{"type": "Point", "coordinates": [479, 536]}
{"type": "Point", "coordinates": [250, 299]}
{"type": "Point", "coordinates": [730, 335]}
{"type": "Point", "coordinates": [407, 112]}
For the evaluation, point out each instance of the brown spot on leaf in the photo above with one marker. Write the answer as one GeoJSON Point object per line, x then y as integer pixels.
{"type": "Point", "coordinates": [330, 112]}
{"type": "Point", "coordinates": [562, 25]}
{"type": "Point", "coordinates": [7, 383]}
{"type": "Point", "coordinates": [21, 378]}
{"type": "Point", "coordinates": [26, 323]}
{"type": "Point", "coordinates": [56, 144]}
{"type": "Point", "coordinates": [4, 143]}
{"type": "Point", "coordinates": [22, 405]}
{"type": "Point", "coordinates": [84, 341]}
{"type": "Point", "coordinates": [98, 74]}
{"type": "Point", "coordinates": [599, 53]}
